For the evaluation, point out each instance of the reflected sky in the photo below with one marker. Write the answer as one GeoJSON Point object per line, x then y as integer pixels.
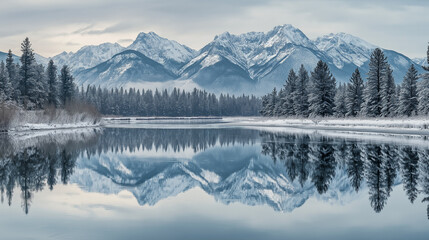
{"type": "Point", "coordinates": [212, 184]}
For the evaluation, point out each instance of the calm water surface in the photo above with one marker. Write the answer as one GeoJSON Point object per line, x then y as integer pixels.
{"type": "Point", "coordinates": [213, 183]}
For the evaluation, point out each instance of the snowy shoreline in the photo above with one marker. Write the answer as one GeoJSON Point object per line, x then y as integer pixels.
{"type": "Point", "coordinates": [31, 127]}
{"type": "Point", "coordinates": [406, 126]}
{"type": "Point", "coordinates": [410, 126]}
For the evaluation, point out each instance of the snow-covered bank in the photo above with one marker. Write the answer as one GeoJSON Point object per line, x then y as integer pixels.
{"type": "Point", "coordinates": [410, 126]}
{"type": "Point", "coordinates": [51, 119]}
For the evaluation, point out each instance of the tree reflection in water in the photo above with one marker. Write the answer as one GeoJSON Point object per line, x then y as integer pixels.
{"type": "Point", "coordinates": [375, 163]}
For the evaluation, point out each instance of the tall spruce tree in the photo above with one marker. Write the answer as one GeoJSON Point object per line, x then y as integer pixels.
{"type": "Point", "coordinates": [340, 108]}
{"type": "Point", "coordinates": [67, 85]}
{"type": "Point", "coordinates": [354, 94]}
{"type": "Point", "coordinates": [388, 94]}
{"type": "Point", "coordinates": [272, 103]}
{"type": "Point", "coordinates": [423, 91]}
{"type": "Point", "coordinates": [322, 93]}
{"type": "Point", "coordinates": [37, 87]}
{"type": "Point", "coordinates": [377, 71]}
{"type": "Point", "coordinates": [27, 72]}
{"type": "Point", "coordinates": [288, 108]}
{"type": "Point", "coordinates": [51, 74]}
{"type": "Point", "coordinates": [408, 95]}
{"type": "Point", "coordinates": [13, 76]}
{"type": "Point", "coordinates": [301, 96]}
{"type": "Point", "coordinates": [5, 85]}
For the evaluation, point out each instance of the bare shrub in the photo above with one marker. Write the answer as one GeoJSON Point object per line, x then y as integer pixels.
{"type": "Point", "coordinates": [84, 110]}
{"type": "Point", "coordinates": [7, 114]}
{"type": "Point", "coordinates": [51, 112]}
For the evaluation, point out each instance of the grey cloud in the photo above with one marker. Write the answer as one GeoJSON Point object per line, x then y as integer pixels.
{"type": "Point", "coordinates": [196, 22]}
{"type": "Point", "coordinates": [125, 41]}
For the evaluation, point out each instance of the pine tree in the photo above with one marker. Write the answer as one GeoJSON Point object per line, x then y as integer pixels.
{"type": "Point", "coordinates": [13, 76]}
{"type": "Point", "coordinates": [408, 95]}
{"type": "Point", "coordinates": [288, 107]}
{"type": "Point", "coordinates": [37, 87]}
{"type": "Point", "coordinates": [423, 91]}
{"type": "Point", "coordinates": [322, 91]}
{"type": "Point", "coordinates": [388, 94]}
{"type": "Point", "coordinates": [354, 94]}
{"type": "Point", "coordinates": [51, 73]}
{"type": "Point", "coordinates": [377, 71]}
{"type": "Point", "coordinates": [67, 85]}
{"type": "Point", "coordinates": [340, 101]}
{"type": "Point", "coordinates": [264, 109]}
{"type": "Point", "coordinates": [5, 85]}
{"type": "Point", "coordinates": [301, 96]}
{"type": "Point", "coordinates": [272, 103]}
{"type": "Point", "coordinates": [279, 109]}
{"type": "Point", "coordinates": [27, 71]}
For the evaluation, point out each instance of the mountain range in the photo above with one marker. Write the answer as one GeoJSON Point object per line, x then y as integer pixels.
{"type": "Point", "coordinates": [253, 62]}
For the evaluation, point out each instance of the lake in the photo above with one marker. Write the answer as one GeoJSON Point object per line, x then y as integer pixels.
{"type": "Point", "coordinates": [213, 181]}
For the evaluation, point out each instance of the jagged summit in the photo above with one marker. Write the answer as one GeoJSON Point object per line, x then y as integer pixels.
{"type": "Point", "coordinates": [168, 52]}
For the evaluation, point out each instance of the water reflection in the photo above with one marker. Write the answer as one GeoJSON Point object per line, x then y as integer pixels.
{"type": "Point", "coordinates": [376, 164]}
{"type": "Point", "coordinates": [39, 162]}
{"type": "Point", "coordinates": [282, 170]}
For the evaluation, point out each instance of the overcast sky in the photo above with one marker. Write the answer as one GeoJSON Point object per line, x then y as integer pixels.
{"type": "Point", "coordinates": [54, 26]}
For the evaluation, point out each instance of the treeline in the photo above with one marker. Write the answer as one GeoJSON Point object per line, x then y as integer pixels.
{"type": "Point", "coordinates": [31, 86]}
{"type": "Point", "coordinates": [134, 102]}
{"type": "Point", "coordinates": [317, 94]}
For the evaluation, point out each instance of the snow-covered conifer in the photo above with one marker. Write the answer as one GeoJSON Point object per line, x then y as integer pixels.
{"type": "Point", "coordinates": [321, 98]}
{"type": "Point", "coordinates": [67, 85]}
{"type": "Point", "coordinates": [288, 108]}
{"type": "Point", "coordinates": [51, 74]}
{"type": "Point", "coordinates": [354, 94]}
{"type": "Point", "coordinates": [27, 71]}
{"type": "Point", "coordinates": [388, 94]}
{"type": "Point", "coordinates": [372, 94]}
{"type": "Point", "coordinates": [340, 101]}
{"type": "Point", "coordinates": [5, 85]}
{"type": "Point", "coordinates": [301, 96]}
{"type": "Point", "coordinates": [423, 91]}
{"type": "Point", "coordinates": [408, 95]}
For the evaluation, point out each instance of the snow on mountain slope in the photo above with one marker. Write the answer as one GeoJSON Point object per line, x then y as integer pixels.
{"type": "Point", "coordinates": [126, 67]}
{"type": "Point", "coordinates": [169, 53]}
{"type": "Point", "coordinates": [421, 61]}
{"type": "Point", "coordinates": [88, 56]}
{"type": "Point", "coordinates": [345, 48]}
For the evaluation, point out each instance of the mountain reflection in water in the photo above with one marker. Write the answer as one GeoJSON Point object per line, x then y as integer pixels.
{"type": "Point", "coordinates": [282, 170]}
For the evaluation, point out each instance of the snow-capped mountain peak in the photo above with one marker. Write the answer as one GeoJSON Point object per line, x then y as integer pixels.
{"type": "Point", "coordinates": [331, 40]}
{"type": "Point", "coordinates": [345, 48]}
{"type": "Point", "coordinates": [287, 34]}
{"type": "Point", "coordinates": [171, 54]}
{"type": "Point", "coordinates": [88, 56]}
